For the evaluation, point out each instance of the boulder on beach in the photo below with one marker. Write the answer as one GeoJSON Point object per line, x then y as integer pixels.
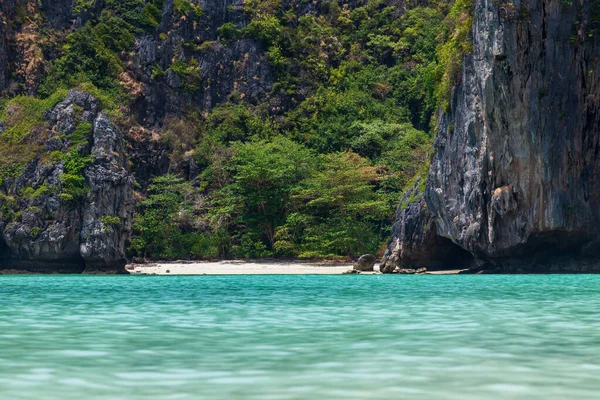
{"type": "Point", "coordinates": [365, 263]}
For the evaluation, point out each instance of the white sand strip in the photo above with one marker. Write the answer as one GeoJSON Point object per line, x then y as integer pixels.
{"type": "Point", "coordinates": [240, 268]}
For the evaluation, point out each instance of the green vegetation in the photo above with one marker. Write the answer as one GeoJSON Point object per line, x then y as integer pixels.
{"type": "Point", "coordinates": [189, 73]}
{"type": "Point", "coordinates": [313, 169]}
{"type": "Point", "coordinates": [323, 178]}
{"type": "Point", "coordinates": [163, 228]}
{"type": "Point", "coordinates": [416, 186]}
{"type": "Point", "coordinates": [90, 56]}
{"type": "Point", "coordinates": [72, 179]}
{"type": "Point", "coordinates": [8, 171]}
{"type": "Point", "coordinates": [82, 6]}
{"type": "Point", "coordinates": [110, 221]}
{"type": "Point", "coordinates": [187, 8]}
{"type": "Point", "coordinates": [24, 113]}
{"type": "Point", "coordinates": [594, 18]}
{"type": "Point", "coordinates": [140, 15]}
{"type": "Point", "coordinates": [22, 141]}
{"type": "Point", "coordinates": [452, 51]}
{"type": "Point", "coordinates": [35, 232]}
{"type": "Point", "coordinates": [264, 175]}
{"type": "Point", "coordinates": [31, 193]}
{"type": "Point", "coordinates": [81, 133]}
{"type": "Point", "coordinates": [339, 213]}
{"type": "Point", "coordinates": [228, 31]}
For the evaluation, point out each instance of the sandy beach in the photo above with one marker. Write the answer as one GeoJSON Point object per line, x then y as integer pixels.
{"type": "Point", "coordinates": [242, 268]}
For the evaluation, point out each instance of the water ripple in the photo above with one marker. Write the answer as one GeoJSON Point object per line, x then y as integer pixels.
{"type": "Point", "coordinates": [299, 337]}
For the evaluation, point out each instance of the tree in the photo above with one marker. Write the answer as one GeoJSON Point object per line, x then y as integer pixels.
{"type": "Point", "coordinates": [339, 211]}
{"type": "Point", "coordinates": [157, 226]}
{"type": "Point", "coordinates": [264, 174]}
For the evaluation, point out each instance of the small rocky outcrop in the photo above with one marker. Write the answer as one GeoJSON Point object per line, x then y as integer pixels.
{"type": "Point", "coordinates": [409, 271]}
{"type": "Point", "coordinates": [351, 272]}
{"type": "Point", "coordinates": [71, 209]}
{"type": "Point", "coordinates": [514, 181]}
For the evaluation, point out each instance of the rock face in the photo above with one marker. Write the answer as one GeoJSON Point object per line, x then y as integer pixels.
{"type": "Point", "coordinates": [103, 240]}
{"type": "Point", "coordinates": [226, 69]}
{"type": "Point", "coordinates": [235, 69]}
{"type": "Point", "coordinates": [7, 10]}
{"type": "Point", "coordinates": [59, 12]}
{"type": "Point", "coordinates": [56, 229]}
{"type": "Point", "coordinates": [415, 242]}
{"type": "Point", "coordinates": [239, 68]}
{"type": "Point", "coordinates": [515, 176]}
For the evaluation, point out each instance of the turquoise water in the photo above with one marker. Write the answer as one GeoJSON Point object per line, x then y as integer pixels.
{"type": "Point", "coordinates": [300, 337]}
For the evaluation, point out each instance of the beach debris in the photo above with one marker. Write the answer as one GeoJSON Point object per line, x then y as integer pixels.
{"type": "Point", "coordinates": [351, 271]}
{"type": "Point", "coordinates": [409, 271]}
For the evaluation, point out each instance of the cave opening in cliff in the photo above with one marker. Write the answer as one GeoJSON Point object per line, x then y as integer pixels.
{"type": "Point", "coordinates": [447, 255]}
{"type": "Point", "coordinates": [555, 251]}
{"type": "Point", "coordinates": [3, 253]}
{"type": "Point", "coordinates": [75, 265]}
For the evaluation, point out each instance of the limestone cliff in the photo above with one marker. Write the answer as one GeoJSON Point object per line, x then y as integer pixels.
{"type": "Point", "coordinates": [515, 175]}
{"type": "Point", "coordinates": [71, 209]}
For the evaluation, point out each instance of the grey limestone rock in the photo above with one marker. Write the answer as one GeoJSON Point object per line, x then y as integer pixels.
{"type": "Point", "coordinates": [59, 12]}
{"type": "Point", "coordinates": [58, 234]}
{"type": "Point", "coordinates": [102, 243]}
{"type": "Point", "coordinates": [515, 175]}
{"type": "Point", "coordinates": [415, 242]}
{"type": "Point", "coordinates": [365, 262]}
{"type": "Point", "coordinates": [63, 116]}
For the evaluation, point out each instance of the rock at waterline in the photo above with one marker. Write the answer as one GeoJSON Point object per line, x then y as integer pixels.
{"type": "Point", "coordinates": [350, 272]}
{"type": "Point", "coordinates": [365, 263]}
{"type": "Point", "coordinates": [409, 271]}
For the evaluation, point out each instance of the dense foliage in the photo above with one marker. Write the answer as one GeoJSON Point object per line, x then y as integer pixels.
{"type": "Point", "coordinates": [359, 87]}
{"type": "Point", "coordinates": [323, 178]}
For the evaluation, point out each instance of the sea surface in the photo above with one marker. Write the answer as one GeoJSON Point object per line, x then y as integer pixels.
{"type": "Point", "coordinates": [300, 337]}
